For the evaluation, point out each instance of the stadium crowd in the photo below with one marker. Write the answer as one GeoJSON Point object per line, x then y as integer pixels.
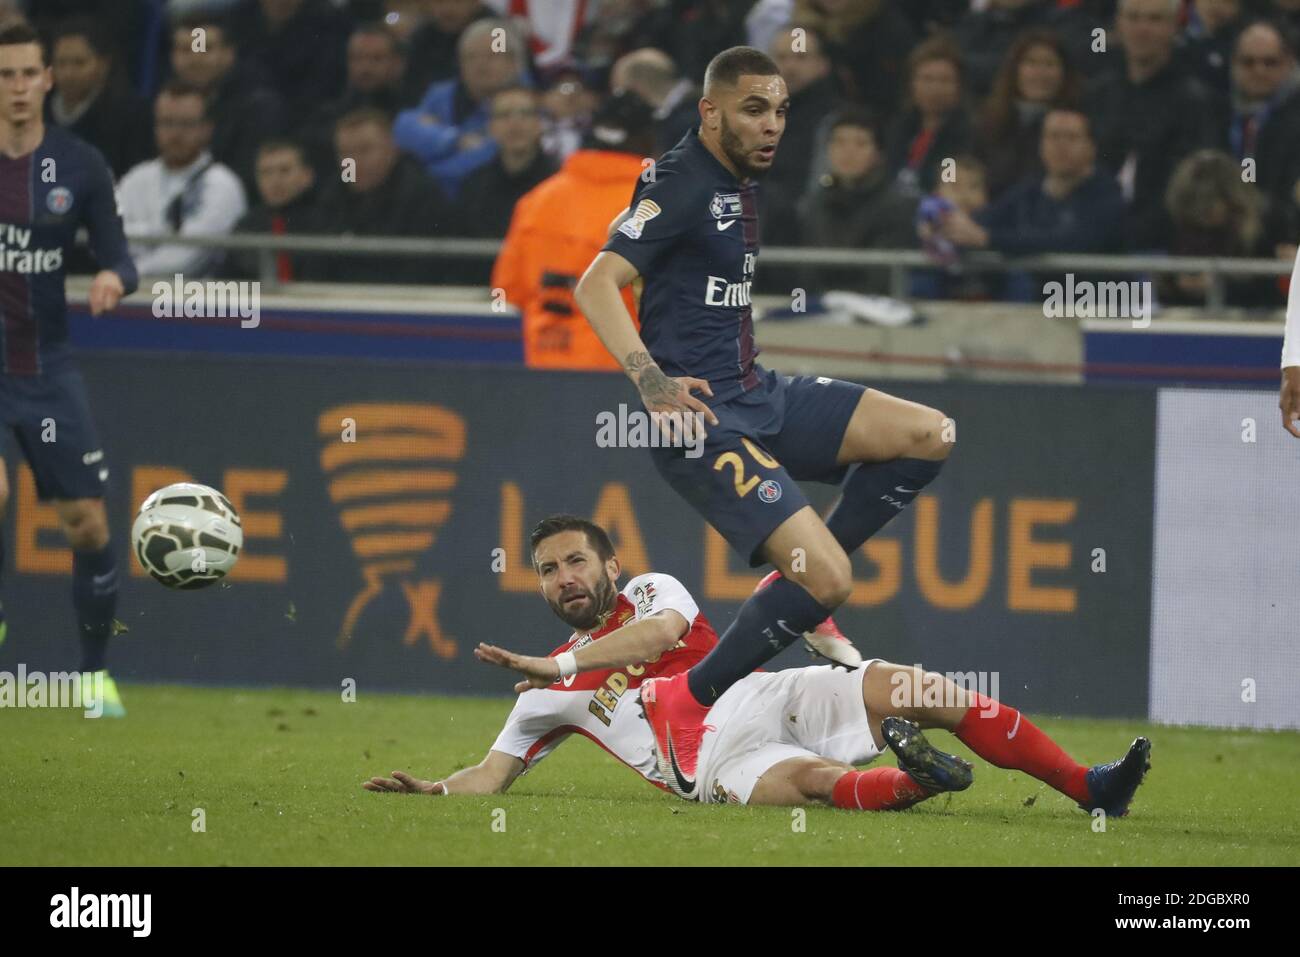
{"type": "Point", "coordinates": [1020, 126]}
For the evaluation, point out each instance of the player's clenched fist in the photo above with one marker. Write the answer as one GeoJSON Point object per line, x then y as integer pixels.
{"type": "Point", "coordinates": [106, 291]}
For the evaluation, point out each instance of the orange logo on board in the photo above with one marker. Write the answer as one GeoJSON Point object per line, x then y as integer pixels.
{"type": "Point", "coordinates": [386, 470]}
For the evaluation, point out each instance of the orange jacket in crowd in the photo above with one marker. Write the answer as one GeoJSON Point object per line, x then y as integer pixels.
{"type": "Point", "coordinates": [555, 232]}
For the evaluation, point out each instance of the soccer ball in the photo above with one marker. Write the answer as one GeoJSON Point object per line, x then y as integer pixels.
{"type": "Point", "coordinates": [187, 535]}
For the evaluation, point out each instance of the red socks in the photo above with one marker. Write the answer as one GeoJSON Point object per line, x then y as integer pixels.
{"type": "Point", "coordinates": [1006, 738]}
{"type": "Point", "coordinates": [877, 789]}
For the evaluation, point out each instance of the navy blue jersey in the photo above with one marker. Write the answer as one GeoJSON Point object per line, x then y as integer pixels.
{"type": "Point", "coordinates": [44, 197]}
{"type": "Point", "coordinates": [693, 237]}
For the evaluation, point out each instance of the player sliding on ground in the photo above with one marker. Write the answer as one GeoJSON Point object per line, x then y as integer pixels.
{"type": "Point", "coordinates": [785, 738]}
{"type": "Point", "coordinates": [692, 234]}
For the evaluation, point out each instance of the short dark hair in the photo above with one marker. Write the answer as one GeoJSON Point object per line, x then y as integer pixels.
{"type": "Point", "coordinates": [277, 143]}
{"type": "Point", "coordinates": [89, 29]}
{"type": "Point", "coordinates": [942, 47]}
{"type": "Point", "coordinates": [378, 28]}
{"type": "Point", "coordinates": [177, 88]}
{"type": "Point", "coordinates": [731, 64]}
{"type": "Point", "coordinates": [18, 32]}
{"type": "Point", "coordinates": [363, 115]}
{"type": "Point", "coordinates": [205, 23]}
{"type": "Point", "coordinates": [1089, 121]}
{"type": "Point", "coordinates": [857, 116]}
{"type": "Point", "coordinates": [597, 537]}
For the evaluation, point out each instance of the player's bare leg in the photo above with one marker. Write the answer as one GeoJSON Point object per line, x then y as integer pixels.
{"type": "Point", "coordinates": [999, 734]}
{"type": "Point", "coordinates": [819, 580]}
{"type": "Point", "coordinates": [94, 587]}
{"type": "Point", "coordinates": [816, 780]}
{"type": "Point", "coordinates": [902, 446]}
{"type": "Point", "coordinates": [897, 448]}
{"type": "Point", "coordinates": [805, 552]}
{"type": "Point", "coordinates": [884, 427]}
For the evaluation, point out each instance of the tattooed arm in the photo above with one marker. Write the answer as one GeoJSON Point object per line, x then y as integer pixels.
{"type": "Point", "coordinates": [597, 295]}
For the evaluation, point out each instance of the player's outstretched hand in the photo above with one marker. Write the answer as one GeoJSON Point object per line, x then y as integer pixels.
{"type": "Point", "coordinates": [1289, 400]}
{"type": "Point", "coordinates": [538, 672]}
{"type": "Point", "coordinates": [403, 783]}
{"type": "Point", "coordinates": [106, 291]}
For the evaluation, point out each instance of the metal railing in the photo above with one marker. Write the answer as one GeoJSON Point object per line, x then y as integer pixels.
{"type": "Point", "coordinates": [897, 261]}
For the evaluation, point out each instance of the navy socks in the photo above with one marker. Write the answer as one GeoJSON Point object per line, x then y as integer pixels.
{"type": "Point", "coordinates": [94, 595]}
{"type": "Point", "coordinates": [767, 622]}
{"type": "Point", "coordinates": [873, 494]}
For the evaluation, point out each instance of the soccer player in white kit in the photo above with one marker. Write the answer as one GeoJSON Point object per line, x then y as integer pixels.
{"type": "Point", "coordinates": [783, 738]}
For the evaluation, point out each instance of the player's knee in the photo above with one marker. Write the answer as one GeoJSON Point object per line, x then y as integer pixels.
{"type": "Point", "coordinates": [833, 583]}
{"type": "Point", "coordinates": [86, 529]}
{"type": "Point", "coordinates": [935, 436]}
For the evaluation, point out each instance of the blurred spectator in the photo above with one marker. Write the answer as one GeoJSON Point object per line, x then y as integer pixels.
{"type": "Point", "coordinates": [807, 74]}
{"type": "Point", "coordinates": [985, 34]}
{"type": "Point", "coordinates": [855, 205]}
{"type": "Point", "coordinates": [1286, 12]}
{"type": "Point", "coordinates": [1215, 214]}
{"type": "Point", "coordinates": [652, 75]}
{"type": "Point", "coordinates": [376, 62]}
{"type": "Point", "coordinates": [552, 28]}
{"type": "Point", "coordinates": [934, 126]}
{"type": "Point", "coordinates": [92, 101]}
{"type": "Point", "coordinates": [405, 17]}
{"type": "Point", "coordinates": [488, 195]}
{"type": "Point", "coordinates": [1264, 123]}
{"type": "Point", "coordinates": [388, 196]}
{"type": "Point", "coordinates": [558, 229]}
{"type": "Point", "coordinates": [132, 30]}
{"type": "Point", "coordinates": [1071, 207]}
{"type": "Point", "coordinates": [703, 29]}
{"type": "Point", "coordinates": [868, 42]}
{"type": "Point", "coordinates": [623, 27]}
{"type": "Point", "coordinates": [965, 191]}
{"type": "Point", "coordinates": [298, 44]}
{"type": "Point", "coordinates": [1035, 76]}
{"type": "Point", "coordinates": [935, 16]}
{"type": "Point", "coordinates": [432, 45]}
{"type": "Point", "coordinates": [447, 132]}
{"type": "Point", "coordinates": [185, 191]}
{"type": "Point", "coordinates": [1149, 115]}
{"type": "Point", "coordinates": [286, 187]}
{"type": "Point", "coordinates": [1208, 38]}
{"type": "Point", "coordinates": [567, 105]}
{"type": "Point", "coordinates": [244, 111]}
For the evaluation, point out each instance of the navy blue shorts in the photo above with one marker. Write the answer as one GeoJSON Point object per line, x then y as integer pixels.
{"type": "Point", "coordinates": [789, 429]}
{"type": "Point", "coordinates": [49, 415]}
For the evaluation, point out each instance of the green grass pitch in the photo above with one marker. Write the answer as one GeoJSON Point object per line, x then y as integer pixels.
{"type": "Point", "coordinates": [278, 774]}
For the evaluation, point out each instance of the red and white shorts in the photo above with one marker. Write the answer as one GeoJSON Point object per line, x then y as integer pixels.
{"type": "Point", "coordinates": [765, 718]}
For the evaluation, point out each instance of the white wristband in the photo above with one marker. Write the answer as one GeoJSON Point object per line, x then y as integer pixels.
{"type": "Point", "coordinates": [568, 664]}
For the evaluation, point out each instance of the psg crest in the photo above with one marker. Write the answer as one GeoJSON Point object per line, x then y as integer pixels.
{"type": "Point", "coordinates": [59, 200]}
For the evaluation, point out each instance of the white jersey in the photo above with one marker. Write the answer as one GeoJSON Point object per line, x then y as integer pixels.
{"type": "Point", "coordinates": [596, 703]}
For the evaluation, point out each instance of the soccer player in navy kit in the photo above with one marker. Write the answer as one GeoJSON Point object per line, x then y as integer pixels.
{"type": "Point", "coordinates": [691, 233]}
{"type": "Point", "coordinates": [51, 183]}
